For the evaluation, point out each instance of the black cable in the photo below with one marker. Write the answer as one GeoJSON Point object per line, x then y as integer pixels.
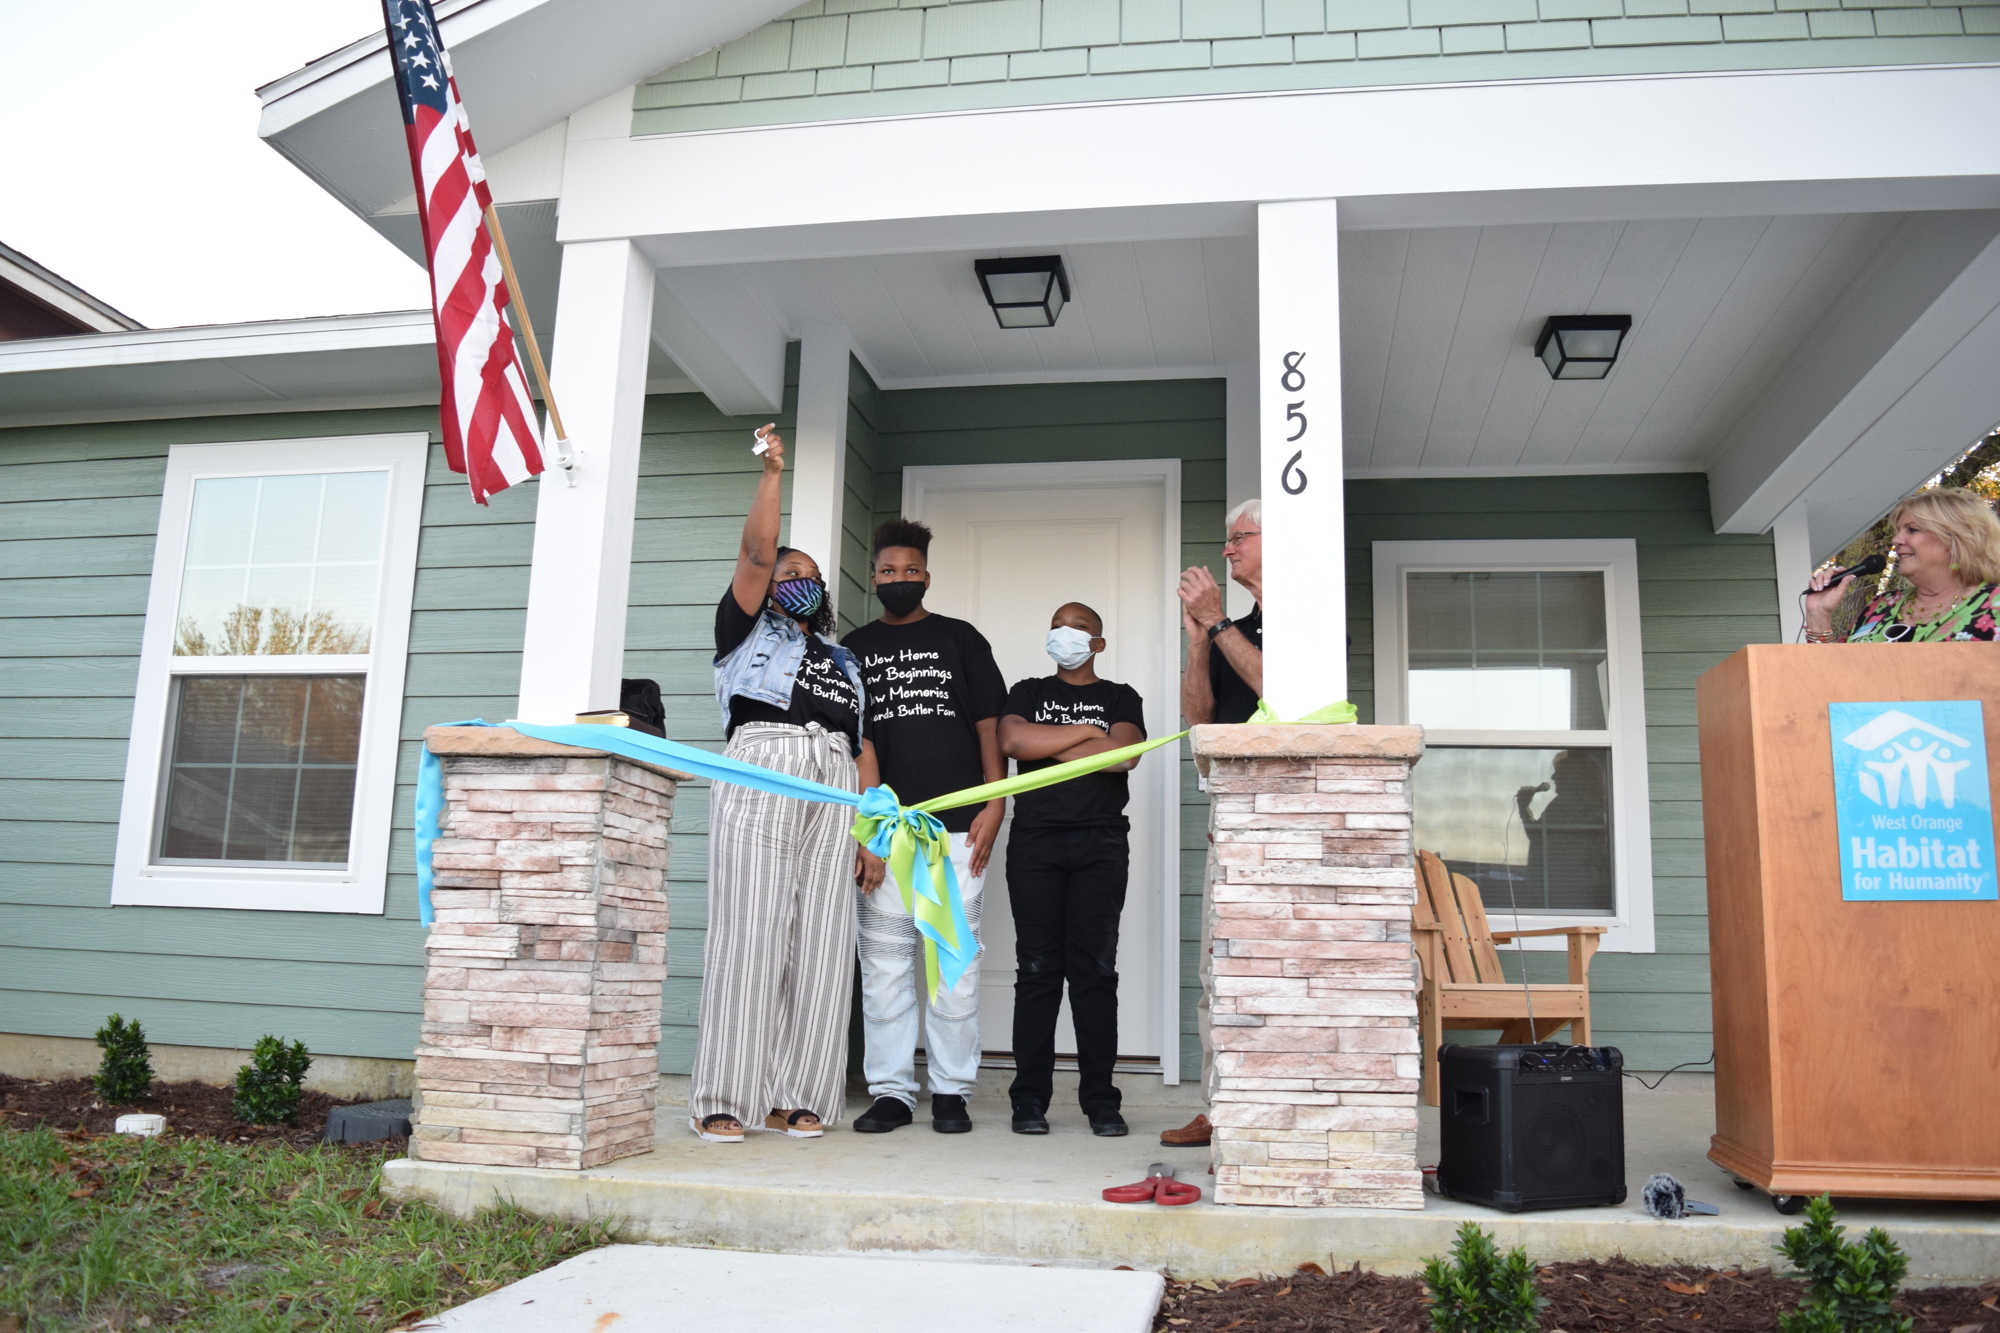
{"type": "Point", "coordinates": [1691, 1064]}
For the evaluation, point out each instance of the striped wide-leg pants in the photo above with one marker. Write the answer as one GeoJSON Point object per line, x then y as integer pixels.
{"type": "Point", "coordinates": [778, 967]}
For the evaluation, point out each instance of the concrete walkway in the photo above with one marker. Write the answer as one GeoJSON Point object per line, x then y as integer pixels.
{"type": "Point", "coordinates": [661, 1289]}
{"type": "Point", "coordinates": [993, 1194]}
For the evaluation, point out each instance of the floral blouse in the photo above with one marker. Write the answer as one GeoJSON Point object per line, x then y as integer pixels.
{"type": "Point", "coordinates": [1882, 620]}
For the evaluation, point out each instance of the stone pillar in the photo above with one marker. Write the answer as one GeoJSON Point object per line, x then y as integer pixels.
{"type": "Point", "coordinates": [1309, 1010]}
{"type": "Point", "coordinates": [547, 954]}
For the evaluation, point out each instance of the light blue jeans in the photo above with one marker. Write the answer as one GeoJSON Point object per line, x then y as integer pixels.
{"type": "Point", "coordinates": [894, 1016]}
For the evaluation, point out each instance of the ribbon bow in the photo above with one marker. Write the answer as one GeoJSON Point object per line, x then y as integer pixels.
{"type": "Point", "coordinates": [918, 850]}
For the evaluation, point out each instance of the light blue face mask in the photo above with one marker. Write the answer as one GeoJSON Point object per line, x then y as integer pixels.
{"type": "Point", "coordinates": [1069, 647]}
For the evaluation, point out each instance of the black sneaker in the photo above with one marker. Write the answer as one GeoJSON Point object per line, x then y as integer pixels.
{"type": "Point", "coordinates": [1108, 1125]}
{"type": "Point", "coordinates": [1030, 1120]}
{"type": "Point", "coordinates": [948, 1114]}
{"type": "Point", "coordinates": [886, 1114]}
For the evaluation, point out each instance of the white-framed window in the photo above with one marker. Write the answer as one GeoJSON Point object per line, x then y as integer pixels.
{"type": "Point", "coordinates": [1521, 661]}
{"type": "Point", "coordinates": [262, 768]}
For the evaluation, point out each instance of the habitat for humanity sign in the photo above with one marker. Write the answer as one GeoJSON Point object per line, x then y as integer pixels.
{"type": "Point", "coordinates": [1916, 818]}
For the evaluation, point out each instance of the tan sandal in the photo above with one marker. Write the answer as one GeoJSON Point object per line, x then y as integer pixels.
{"type": "Point", "coordinates": [706, 1129]}
{"type": "Point", "coordinates": [800, 1124]}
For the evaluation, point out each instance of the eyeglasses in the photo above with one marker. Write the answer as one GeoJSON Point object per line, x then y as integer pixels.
{"type": "Point", "coordinates": [1238, 538]}
{"type": "Point", "coordinates": [1898, 633]}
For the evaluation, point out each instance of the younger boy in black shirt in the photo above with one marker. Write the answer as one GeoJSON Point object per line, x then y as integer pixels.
{"type": "Point", "coordinates": [1067, 860]}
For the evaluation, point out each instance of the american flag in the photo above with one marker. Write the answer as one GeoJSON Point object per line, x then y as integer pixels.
{"type": "Point", "coordinates": [488, 417]}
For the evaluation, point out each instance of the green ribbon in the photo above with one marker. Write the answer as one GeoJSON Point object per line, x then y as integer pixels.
{"type": "Point", "coordinates": [918, 852]}
{"type": "Point", "coordinates": [1331, 715]}
{"type": "Point", "coordinates": [1042, 777]}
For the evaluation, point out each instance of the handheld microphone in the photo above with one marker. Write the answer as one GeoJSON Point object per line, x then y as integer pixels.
{"type": "Point", "coordinates": [1860, 569]}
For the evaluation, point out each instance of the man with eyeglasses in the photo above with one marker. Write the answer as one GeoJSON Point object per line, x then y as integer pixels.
{"type": "Point", "coordinates": [1224, 676]}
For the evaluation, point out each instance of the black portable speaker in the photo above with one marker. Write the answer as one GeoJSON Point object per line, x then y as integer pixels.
{"type": "Point", "coordinates": [1532, 1126]}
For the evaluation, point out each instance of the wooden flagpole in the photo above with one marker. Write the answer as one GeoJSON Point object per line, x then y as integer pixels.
{"type": "Point", "coordinates": [563, 459]}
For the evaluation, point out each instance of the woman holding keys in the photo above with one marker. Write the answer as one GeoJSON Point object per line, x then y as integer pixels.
{"type": "Point", "coordinates": [778, 965]}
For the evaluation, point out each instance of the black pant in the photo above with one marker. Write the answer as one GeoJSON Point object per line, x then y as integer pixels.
{"type": "Point", "coordinates": [1067, 889]}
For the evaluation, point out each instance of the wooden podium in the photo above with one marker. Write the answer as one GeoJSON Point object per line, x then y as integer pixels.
{"type": "Point", "coordinates": [1857, 1044]}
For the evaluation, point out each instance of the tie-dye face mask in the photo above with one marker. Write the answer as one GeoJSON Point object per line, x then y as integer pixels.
{"type": "Point", "coordinates": [799, 598]}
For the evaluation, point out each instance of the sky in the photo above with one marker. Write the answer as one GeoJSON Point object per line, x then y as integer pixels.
{"type": "Point", "coordinates": [133, 168]}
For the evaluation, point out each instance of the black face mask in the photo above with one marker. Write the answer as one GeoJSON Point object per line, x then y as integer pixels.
{"type": "Point", "coordinates": [899, 599]}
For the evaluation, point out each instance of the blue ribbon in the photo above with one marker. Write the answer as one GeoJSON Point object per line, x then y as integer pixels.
{"type": "Point", "coordinates": [954, 954]}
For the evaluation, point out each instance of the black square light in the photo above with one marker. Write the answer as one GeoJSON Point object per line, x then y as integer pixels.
{"type": "Point", "coordinates": [1581, 347]}
{"type": "Point", "coordinates": [1025, 293]}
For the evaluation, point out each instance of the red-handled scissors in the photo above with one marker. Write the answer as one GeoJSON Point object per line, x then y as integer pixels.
{"type": "Point", "coordinates": [1159, 1187]}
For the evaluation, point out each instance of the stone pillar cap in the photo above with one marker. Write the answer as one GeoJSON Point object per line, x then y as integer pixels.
{"type": "Point", "coordinates": [1350, 740]}
{"type": "Point", "coordinates": [507, 743]}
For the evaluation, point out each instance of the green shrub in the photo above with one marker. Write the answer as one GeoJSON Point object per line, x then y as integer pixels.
{"type": "Point", "coordinates": [127, 1070]}
{"type": "Point", "coordinates": [1852, 1285]}
{"type": "Point", "coordinates": [1478, 1291]}
{"type": "Point", "coordinates": [267, 1089]}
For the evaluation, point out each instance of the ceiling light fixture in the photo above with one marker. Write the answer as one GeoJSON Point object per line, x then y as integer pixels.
{"type": "Point", "coordinates": [1581, 347]}
{"type": "Point", "coordinates": [1025, 293]}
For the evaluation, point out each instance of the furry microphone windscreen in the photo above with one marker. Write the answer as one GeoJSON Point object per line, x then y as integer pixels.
{"type": "Point", "coordinates": [1664, 1197]}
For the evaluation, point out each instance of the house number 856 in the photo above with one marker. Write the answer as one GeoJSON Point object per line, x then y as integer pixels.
{"type": "Point", "coordinates": [1293, 477]}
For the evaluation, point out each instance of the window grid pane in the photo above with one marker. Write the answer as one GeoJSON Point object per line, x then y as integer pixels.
{"type": "Point", "coordinates": [281, 565]}
{"type": "Point", "coordinates": [1530, 827]}
{"type": "Point", "coordinates": [1508, 651]}
{"type": "Point", "coordinates": [261, 770]}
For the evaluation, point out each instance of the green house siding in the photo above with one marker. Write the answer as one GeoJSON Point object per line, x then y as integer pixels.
{"type": "Point", "coordinates": [79, 508]}
{"type": "Point", "coordinates": [839, 59]}
{"type": "Point", "coordinates": [857, 501]}
{"type": "Point", "coordinates": [1702, 595]}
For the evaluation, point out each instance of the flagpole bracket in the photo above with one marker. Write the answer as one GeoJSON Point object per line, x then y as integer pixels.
{"type": "Point", "coordinates": [566, 460]}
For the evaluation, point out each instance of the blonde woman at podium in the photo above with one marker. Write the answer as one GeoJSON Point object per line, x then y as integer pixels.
{"type": "Point", "coordinates": [1947, 548]}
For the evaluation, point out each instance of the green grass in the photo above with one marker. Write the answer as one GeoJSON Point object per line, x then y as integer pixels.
{"type": "Point", "coordinates": [126, 1233]}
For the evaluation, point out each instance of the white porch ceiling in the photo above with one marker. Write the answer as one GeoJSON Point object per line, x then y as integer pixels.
{"type": "Point", "coordinates": [1438, 326]}
{"type": "Point", "coordinates": [1439, 329]}
{"type": "Point", "coordinates": [1138, 309]}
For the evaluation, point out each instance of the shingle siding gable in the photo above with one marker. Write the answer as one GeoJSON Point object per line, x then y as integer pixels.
{"type": "Point", "coordinates": [836, 59]}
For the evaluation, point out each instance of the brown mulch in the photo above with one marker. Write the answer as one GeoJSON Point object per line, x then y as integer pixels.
{"type": "Point", "coordinates": [193, 1110]}
{"type": "Point", "coordinates": [1592, 1297]}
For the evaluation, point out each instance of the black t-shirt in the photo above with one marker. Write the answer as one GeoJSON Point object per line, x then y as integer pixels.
{"type": "Point", "coordinates": [929, 682]}
{"type": "Point", "coordinates": [821, 692]}
{"type": "Point", "coordinates": [1234, 700]}
{"type": "Point", "coordinates": [1096, 800]}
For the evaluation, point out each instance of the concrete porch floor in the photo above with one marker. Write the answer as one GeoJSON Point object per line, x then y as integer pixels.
{"type": "Point", "coordinates": [998, 1196]}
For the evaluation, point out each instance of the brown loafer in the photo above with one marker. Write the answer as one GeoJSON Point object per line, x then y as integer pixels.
{"type": "Point", "coordinates": [1194, 1134]}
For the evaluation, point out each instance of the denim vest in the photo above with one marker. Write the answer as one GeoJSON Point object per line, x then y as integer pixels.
{"type": "Point", "coordinates": [765, 664]}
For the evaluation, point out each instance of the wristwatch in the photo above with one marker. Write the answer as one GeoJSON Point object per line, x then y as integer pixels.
{"type": "Point", "coordinates": [1218, 627]}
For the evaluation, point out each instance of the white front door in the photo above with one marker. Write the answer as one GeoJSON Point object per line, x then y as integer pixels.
{"type": "Point", "coordinates": [1012, 543]}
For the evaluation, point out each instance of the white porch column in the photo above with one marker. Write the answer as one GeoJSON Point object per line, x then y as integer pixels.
{"type": "Point", "coordinates": [1305, 552]}
{"type": "Point", "coordinates": [1792, 551]}
{"type": "Point", "coordinates": [819, 450]}
{"type": "Point", "coordinates": [575, 644]}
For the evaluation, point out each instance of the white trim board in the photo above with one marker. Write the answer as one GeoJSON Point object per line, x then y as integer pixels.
{"type": "Point", "coordinates": [1631, 929]}
{"type": "Point", "coordinates": [1849, 132]}
{"type": "Point", "coordinates": [1162, 697]}
{"type": "Point", "coordinates": [362, 884]}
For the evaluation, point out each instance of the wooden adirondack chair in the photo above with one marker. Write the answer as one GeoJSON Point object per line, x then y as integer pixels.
{"type": "Point", "coordinates": [1463, 986]}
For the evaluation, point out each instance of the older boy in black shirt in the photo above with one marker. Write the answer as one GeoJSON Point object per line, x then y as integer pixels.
{"type": "Point", "coordinates": [1067, 860]}
{"type": "Point", "coordinates": [934, 696]}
